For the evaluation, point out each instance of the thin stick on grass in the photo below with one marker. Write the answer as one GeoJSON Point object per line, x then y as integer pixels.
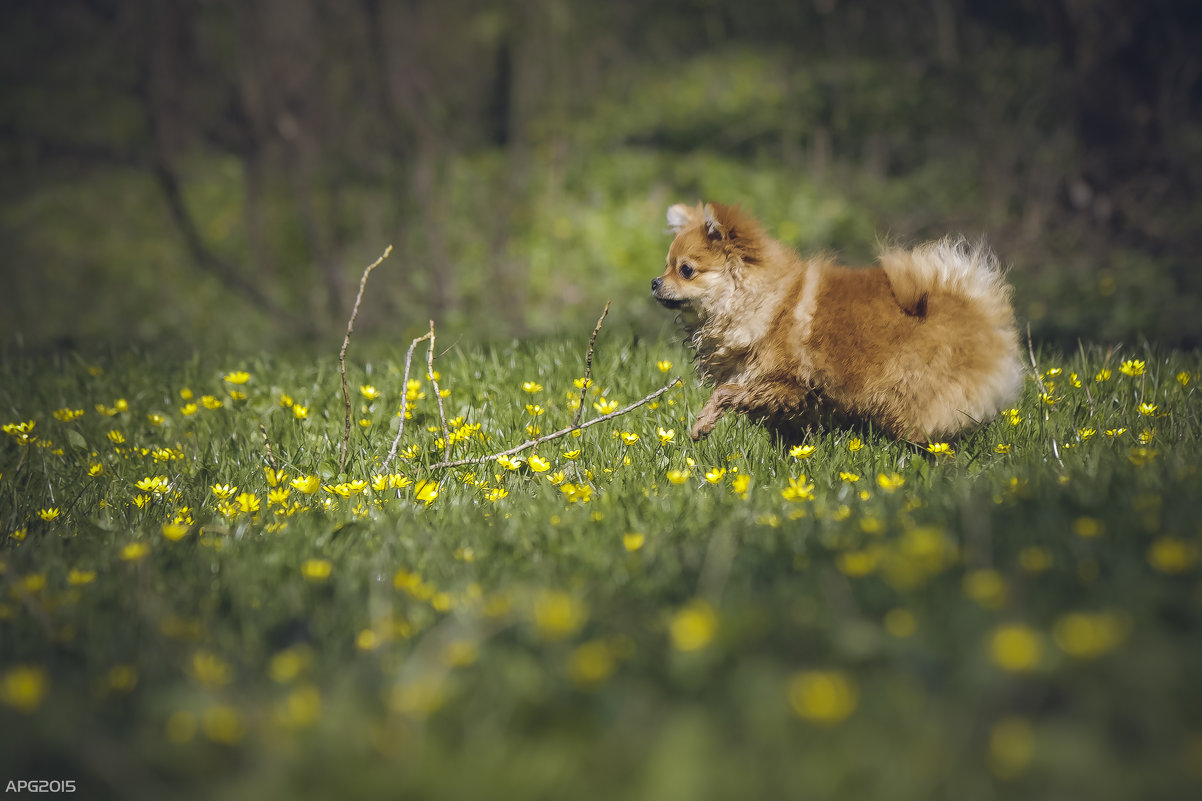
{"type": "Point", "coordinates": [350, 326]}
{"type": "Point", "coordinates": [400, 429]}
{"type": "Point", "coordinates": [1034, 366]}
{"type": "Point", "coordinates": [588, 364]}
{"type": "Point", "coordinates": [442, 415]}
{"type": "Point", "coordinates": [267, 446]}
{"type": "Point", "coordinates": [563, 432]}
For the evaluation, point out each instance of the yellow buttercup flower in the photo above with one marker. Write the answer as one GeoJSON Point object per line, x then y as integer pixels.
{"type": "Point", "coordinates": [1132, 367]}
{"type": "Point", "coordinates": [306, 484]}
{"type": "Point", "coordinates": [316, 570]}
{"type": "Point", "coordinates": [633, 541]}
{"type": "Point", "coordinates": [1016, 648]}
{"type": "Point", "coordinates": [823, 697]}
{"type": "Point", "coordinates": [237, 377]}
{"type": "Point", "coordinates": [693, 627]}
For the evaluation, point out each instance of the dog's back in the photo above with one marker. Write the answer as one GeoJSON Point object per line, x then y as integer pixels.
{"type": "Point", "coordinates": [925, 343]}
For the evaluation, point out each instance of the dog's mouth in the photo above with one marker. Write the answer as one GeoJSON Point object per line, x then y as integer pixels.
{"type": "Point", "coordinates": [669, 303]}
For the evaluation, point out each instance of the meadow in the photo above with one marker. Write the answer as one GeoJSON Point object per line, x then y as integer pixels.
{"type": "Point", "coordinates": [197, 603]}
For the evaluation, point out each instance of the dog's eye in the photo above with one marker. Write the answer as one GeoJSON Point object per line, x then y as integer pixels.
{"type": "Point", "coordinates": [687, 271]}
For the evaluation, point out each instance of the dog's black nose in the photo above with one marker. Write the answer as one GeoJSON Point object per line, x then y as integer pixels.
{"type": "Point", "coordinates": [655, 282]}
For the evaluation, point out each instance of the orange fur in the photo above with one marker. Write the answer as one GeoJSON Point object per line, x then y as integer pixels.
{"type": "Point", "coordinates": [923, 345]}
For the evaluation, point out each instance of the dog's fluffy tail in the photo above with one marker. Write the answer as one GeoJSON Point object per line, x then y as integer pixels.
{"type": "Point", "coordinates": [952, 265]}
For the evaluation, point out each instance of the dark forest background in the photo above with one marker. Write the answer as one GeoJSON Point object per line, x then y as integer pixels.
{"type": "Point", "coordinates": [220, 171]}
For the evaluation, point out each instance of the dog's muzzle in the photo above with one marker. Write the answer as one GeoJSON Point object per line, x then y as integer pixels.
{"type": "Point", "coordinates": [671, 303]}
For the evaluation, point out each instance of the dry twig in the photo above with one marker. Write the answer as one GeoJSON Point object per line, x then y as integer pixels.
{"type": "Point", "coordinates": [560, 433]}
{"type": "Point", "coordinates": [267, 446]}
{"type": "Point", "coordinates": [442, 415]}
{"type": "Point", "coordinates": [400, 429]}
{"type": "Point", "coordinates": [588, 364]}
{"type": "Point", "coordinates": [350, 326]}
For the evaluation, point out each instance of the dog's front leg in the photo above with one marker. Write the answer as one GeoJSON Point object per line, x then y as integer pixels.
{"type": "Point", "coordinates": [722, 399]}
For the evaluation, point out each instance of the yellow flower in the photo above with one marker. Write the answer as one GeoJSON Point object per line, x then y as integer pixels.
{"type": "Point", "coordinates": [534, 410]}
{"type": "Point", "coordinates": [77, 577]}
{"type": "Point", "coordinates": [663, 365]}
{"type": "Point", "coordinates": [174, 531]}
{"type": "Point", "coordinates": [237, 377]}
{"type": "Point", "coordinates": [1172, 555]}
{"type": "Point", "coordinates": [798, 490]}
{"type": "Point", "coordinates": [116, 437]}
{"type": "Point", "coordinates": [986, 587]}
{"type": "Point", "coordinates": [854, 444]}
{"type": "Point", "coordinates": [715, 475]}
{"type": "Point", "coordinates": [1182, 378]}
{"type": "Point", "coordinates": [509, 463]}
{"type": "Point", "coordinates": [572, 454]}
{"type": "Point", "coordinates": [693, 627]}
{"type": "Point", "coordinates": [890, 482]}
{"type": "Point", "coordinates": [678, 476]}
{"type": "Point", "coordinates": [223, 492]}
{"type": "Point", "coordinates": [426, 491]}
{"type": "Point", "coordinates": [1115, 432]}
{"type": "Point", "coordinates": [532, 387]}
{"type": "Point", "coordinates": [157, 484]}
{"type": "Point", "coordinates": [1087, 635]}
{"type": "Point", "coordinates": [300, 412]}
{"type": "Point", "coordinates": [1102, 375]}
{"type": "Point", "coordinates": [1142, 456]}
{"type": "Point", "coordinates": [577, 493]}
{"type": "Point", "coordinates": [582, 383]}
{"type": "Point", "coordinates": [605, 406]}
{"type": "Point", "coordinates": [802, 451]}
{"type": "Point", "coordinates": [316, 570]}
{"type": "Point", "coordinates": [134, 551]}
{"type": "Point", "coordinates": [850, 478]}
{"type": "Point", "coordinates": [1086, 433]}
{"type": "Point", "coordinates": [210, 402]}
{"type": "Point", "coordinates": [632, 541]}
{"type": "Point", "coordinates": [1147, 409]}
{"type": "Point", "coordinates": [188, 409]}
{"type": "Point", "coordinates": [558, 615]}
{"type": "Point", "coordinates": [369, 392]}
{"type": "Point", "coordinates": [49, 514]}
{"type": "Point", "coordinates": [740, 484]}
{"type": "Point", "coordinates": [591, 663]}
{"type": "Point", "coordinates": [628, 437]}
{"type": "Point", "coordinates": [538, 464]}
{"type": "Point", "coordinates": [665, 436]}
{"type": "Point", "coordinates": [247, 502]}
{"type": "Point", "coordinates": [1132, 367]}
{"type": "Point", "coordinates": [941, 448]}
{"type": "Point", "coordinates": [1016, 648]}
{"type": "Point", "coordinates": [306, 484]}
{"type": "Point", "coordinates": [823, 697]}
{"type": "Point", "coordinates": [23, 687]}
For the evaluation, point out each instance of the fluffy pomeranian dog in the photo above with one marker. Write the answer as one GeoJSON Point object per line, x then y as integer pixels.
{"type": "Point", "coordinates": [923, 345]}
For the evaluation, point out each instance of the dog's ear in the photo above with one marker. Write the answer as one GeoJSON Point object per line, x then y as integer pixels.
{"type": "Point", "coordinates": [680, 217]}
{"type": "Point", "coordinates": [715, 229]}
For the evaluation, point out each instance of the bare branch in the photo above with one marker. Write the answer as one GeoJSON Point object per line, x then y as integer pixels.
{"type": "Point", "coordinates": [561, 433]}
{"type": "Point", "coordinates": [588, 364]}
{"type": "Point", "coordinates": [442, 415]}
{"type": "Point", "coordinates": [400, 430]}
{"type": "Point", "coordinates": [350, 326]}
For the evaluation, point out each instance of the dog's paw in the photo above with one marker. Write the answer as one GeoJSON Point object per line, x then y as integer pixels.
{"type": "Point", "coordinates": [701, 429]}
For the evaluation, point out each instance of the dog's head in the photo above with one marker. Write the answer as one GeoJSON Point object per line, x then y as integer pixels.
{"type": "Point", "coordinates": [713, 244]}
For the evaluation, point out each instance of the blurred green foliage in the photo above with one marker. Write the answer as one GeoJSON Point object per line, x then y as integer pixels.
{"type": "Point", "coordinates": [220, 173]}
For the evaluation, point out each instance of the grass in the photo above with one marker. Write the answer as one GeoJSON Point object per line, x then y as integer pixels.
{"type": "Point", "coordinates": [860, 618]}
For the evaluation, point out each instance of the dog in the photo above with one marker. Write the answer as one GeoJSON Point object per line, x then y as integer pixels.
{"type": "Point", "coordinates": [923, 345]}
